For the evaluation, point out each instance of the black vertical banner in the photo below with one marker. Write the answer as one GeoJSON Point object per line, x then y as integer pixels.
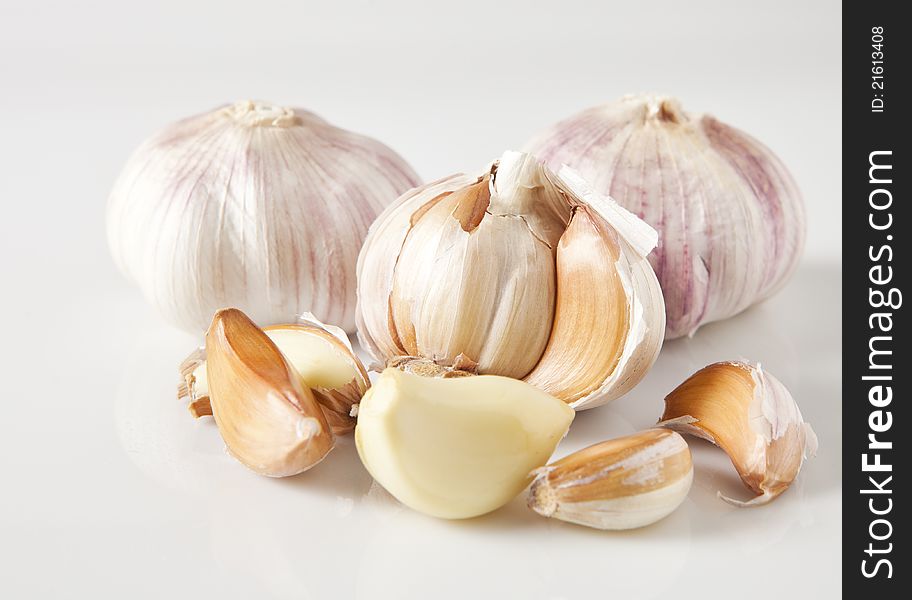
{"type": "Point", "coordinates": [877, 168]}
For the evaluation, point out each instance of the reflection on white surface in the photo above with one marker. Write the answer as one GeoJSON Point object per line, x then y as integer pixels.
{"type": "Point", "coordinates": [332, 532]}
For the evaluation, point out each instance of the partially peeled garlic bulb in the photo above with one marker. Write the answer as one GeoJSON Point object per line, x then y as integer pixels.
{"type": "Point", "coordinates": [622, 483]}
{"type": "Point", "coordinates": [267, 418]}
{"type": "Point", "coordinates": [251, 205]}
{"type": "Point", "coordinates": [321, 357]}
{"type": "Point", "coordinates": [730, 217]}
{"type": "Point", "coordinates": [518, 272]}
{"type": "Point", "coordinates": [748, 413]}
{"type": "Point", "coordinates": [456, 447]}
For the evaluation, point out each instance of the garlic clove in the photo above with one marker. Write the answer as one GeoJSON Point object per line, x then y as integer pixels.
{"type": "Point", "coordinates": [379, 257]}
{"type": "Point", "coordinates": [326, 363]}
{"type": "Point", "coordinates": [750, 415]}
{"type": "Point", "coordinates": [320, 354]}
{"type": "Point", "coordinates": [572, 366]}
{"type": "Point", "coordinates": [267, 418]}
{"type": "Point", "coordinates": [251, 205]}
{"type": "Point", "coordinates": [623, 483]}
{"type": "Point", "coordinates": [729, 214]}
{"type": "Point", "coordinates": [604, 336]}
{"type": "Point", "coordinates": [456, 447]}
{"type": "Point", "coordinates": [496, 269]}
{"type": "Point", "coordinates": [474, 283]}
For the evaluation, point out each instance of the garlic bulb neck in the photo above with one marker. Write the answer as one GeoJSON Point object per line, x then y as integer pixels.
{"type": "Point", "coordinates": [256, 113]}
{"type": "Point", "coordinates": [661, 108]}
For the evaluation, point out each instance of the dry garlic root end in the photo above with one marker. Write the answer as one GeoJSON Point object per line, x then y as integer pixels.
{"type": "Point", "coordinates": [425, 367]}
{"type": "Point", "coordinates": [193, 388]}
{"type": "Point", "coordinates": [201, 407]}
{"type": "Point", "coordinates": [456, 447]}
{"type": "Point", "coordinates": [750, 415]}
{"type": "Point", "coordinates": [623, 483]}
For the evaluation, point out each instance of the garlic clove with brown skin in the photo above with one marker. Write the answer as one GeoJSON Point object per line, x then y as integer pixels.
{"type": "Point", "coordinates": [729, 214]}
{"type": "Point", "coordinates": [521, 272]}
{"type": "Point", "coordinates": [320, 355]}
{"type": "Point", "coordinates": [251, 205]}
{"type": "Point", "coordinates": [622, 483]}
{"type": "Point", "coordinates": [268, 420]}
{"type": "Point", "coordinates": [750, 415]}
{"type": "Point", "coordinates": [591, 250]}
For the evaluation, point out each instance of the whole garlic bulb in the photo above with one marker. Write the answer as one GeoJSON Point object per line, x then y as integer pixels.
{"type": "Point", "coordinates": [254, 206]}
{"type": "Point", "coordinates": [516, 272]}
{"type": "Point", "coordinates": [730, 217]}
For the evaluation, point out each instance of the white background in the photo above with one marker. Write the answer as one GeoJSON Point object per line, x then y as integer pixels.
{"type": "Point", "coordinates": [109, 489]}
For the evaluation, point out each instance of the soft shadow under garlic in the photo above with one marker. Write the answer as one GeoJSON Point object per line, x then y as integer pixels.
{"type": "Point", "coordinates": [341, 475]}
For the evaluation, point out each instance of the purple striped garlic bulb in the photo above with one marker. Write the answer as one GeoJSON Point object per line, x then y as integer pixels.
{"type": "Point", "coordinates": [730, 218]}
{"type": "Point", "coordinates": [252, 206]}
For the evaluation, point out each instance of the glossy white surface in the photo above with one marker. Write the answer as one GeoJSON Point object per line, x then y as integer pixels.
{"type": "Point", "coordinates": [110, 490]}
{"type": "Point", "coordinates": [109, 480]}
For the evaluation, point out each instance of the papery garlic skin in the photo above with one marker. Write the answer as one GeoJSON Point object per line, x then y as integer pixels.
{"type": "Point", "coordinates": [750, 415]}
{"type": "Point", "coordinates": [254, 206]}
{"type": "Point", "coordinates": [729, 214]}
{"type": "Point", "coordinates": [519, 271]}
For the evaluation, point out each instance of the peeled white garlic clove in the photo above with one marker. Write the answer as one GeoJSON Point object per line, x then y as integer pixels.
{"type": "Point", "coordinates": [521, 273]}
{"type": "Point", "coordinates": [320, 355]}
{"type": "Point", "coordinates": [251, 205]}
{"type": "Point", "coordinates": [267, 418]}
{"type": "Point", "coordinates": [750, 415]}
{"type": "Point", "coordinates": [730, 217]}
{"type": "Point", "coordinates": [456, 447]}
{"type": "Point", "coordinates": [623, 483]}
